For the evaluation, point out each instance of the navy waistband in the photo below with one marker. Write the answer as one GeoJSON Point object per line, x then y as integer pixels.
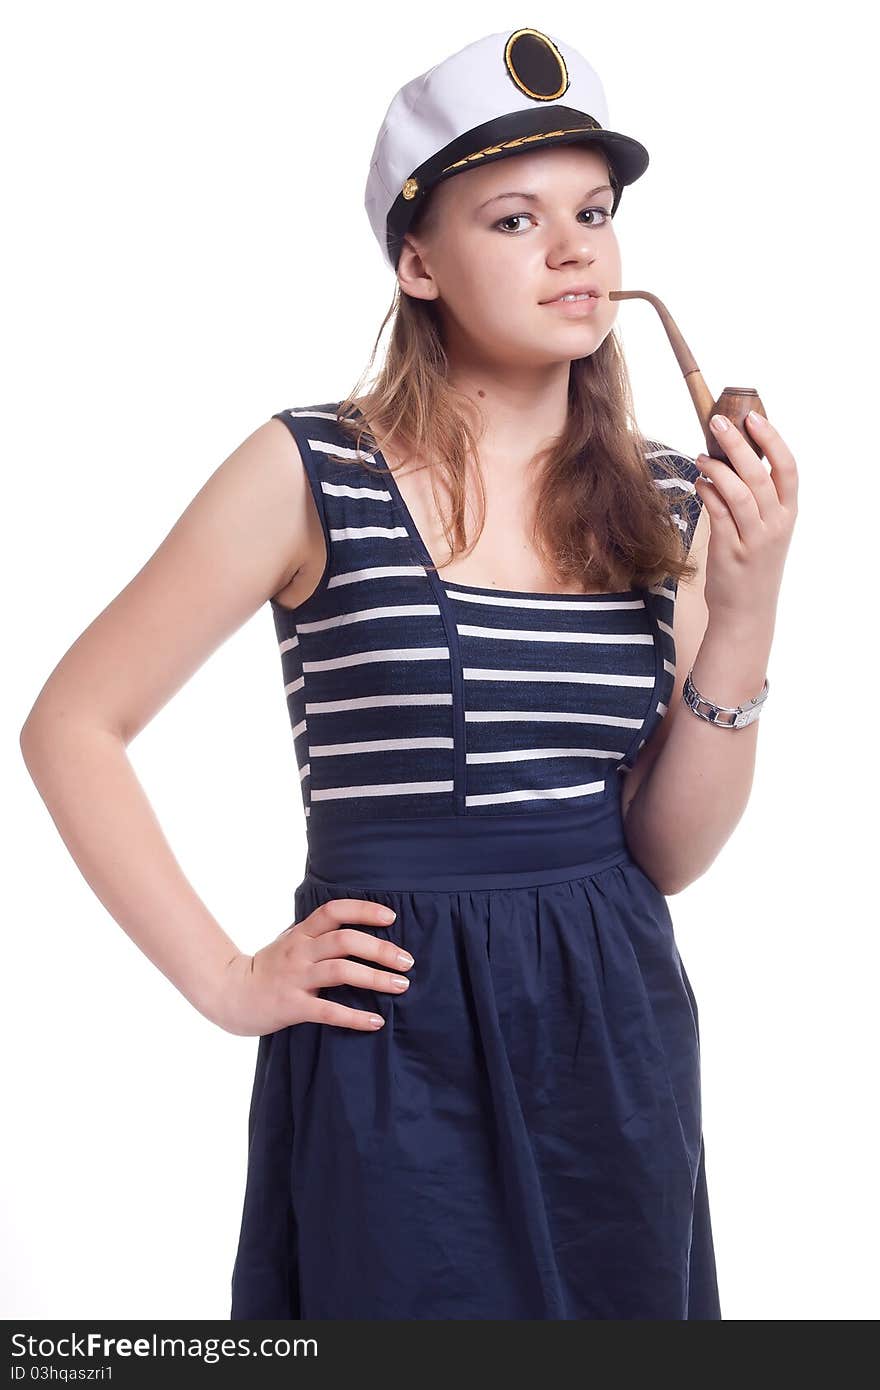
{"type": "Point", "coordinates": [512, 849]}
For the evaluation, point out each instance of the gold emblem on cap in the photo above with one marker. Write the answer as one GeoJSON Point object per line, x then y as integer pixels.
{"type": "Point", "coordinates": [410, 188]}
{"type": "Point", "coordinates": [552, 52]}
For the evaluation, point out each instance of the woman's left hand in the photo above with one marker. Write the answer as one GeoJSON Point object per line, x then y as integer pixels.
{"type": "Point", "coordinates": [751, 515]}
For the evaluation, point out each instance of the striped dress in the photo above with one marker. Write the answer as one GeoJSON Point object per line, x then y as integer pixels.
{"type": "Point", "coordinates": [523, 1137]}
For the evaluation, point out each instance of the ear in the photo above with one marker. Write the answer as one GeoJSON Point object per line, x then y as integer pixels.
{"type": "Point", "coordinates": [413, 275]}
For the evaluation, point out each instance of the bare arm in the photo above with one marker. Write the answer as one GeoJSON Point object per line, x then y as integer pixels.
{"type": "Point", "coordinates": [704, 773]}
{"type": "Point", "coordinates": [239, 541]}
{"type": "Point", "coordinates": [696, 787]}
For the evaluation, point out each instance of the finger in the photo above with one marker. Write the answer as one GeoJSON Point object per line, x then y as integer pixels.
{"type": "Point", "coordinates": [737, 495]}
{"type": "Point", "coordinates": [783, 468]}
{"type": "Point", "coordinates": [340, 1016]}
{"type": "Point", "coordinates": [719, 513]}
{"type": "Point", "coordinates": [337, 970]}
{"type": "Point", "coordinates": [330, 915]}
{"type": "Point", "coordinates": [348, 942]}
{"type": "Point", "coordinates": [747, 466]}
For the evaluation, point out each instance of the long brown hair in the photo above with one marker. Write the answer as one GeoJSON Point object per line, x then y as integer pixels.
{"type": "Point", "coordinates": [600, 519]}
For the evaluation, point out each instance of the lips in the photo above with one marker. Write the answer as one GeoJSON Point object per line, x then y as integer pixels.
{"type": "Point", "coordinates": [574, 289]}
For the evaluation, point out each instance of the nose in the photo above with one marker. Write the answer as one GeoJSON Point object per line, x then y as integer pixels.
{"type": "Point", "coordinates": [575, 245]}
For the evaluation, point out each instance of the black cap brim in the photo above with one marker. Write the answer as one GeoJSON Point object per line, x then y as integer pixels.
{"type": "Point", "coordinates": [504, 137]}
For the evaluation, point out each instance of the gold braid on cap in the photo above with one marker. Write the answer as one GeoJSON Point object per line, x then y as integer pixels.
{"type": "Point", "coordinates": [520, 140]}
{"type": "Point", "coordinates": [411, 187]}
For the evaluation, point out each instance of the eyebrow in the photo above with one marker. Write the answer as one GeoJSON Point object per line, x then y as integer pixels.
{"type": "Point", "coordinates": [535, 197]}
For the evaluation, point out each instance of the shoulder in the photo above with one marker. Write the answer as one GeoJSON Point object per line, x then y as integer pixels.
{"type": "Point", "coordinates": [271, 487]}
{"type": "Point", "coordinates": [260, 494]}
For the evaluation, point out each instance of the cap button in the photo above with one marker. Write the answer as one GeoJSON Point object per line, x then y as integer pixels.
{"type": "Point", "coordinates": [410, 188]}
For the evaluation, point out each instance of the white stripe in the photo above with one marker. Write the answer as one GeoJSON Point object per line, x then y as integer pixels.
{"type": "Point", "coordinates": [288, 643]}
{"type": "Point", "coordinates": [526, 716]}
{"type": "Point", "coordinates": [521, 755]}
{"type": "Point", "coordinates": [319, 415]}
{"type": "Point", "coordinates": [477, 673]}
{"type": "Point", "coordinates": [299, 728]}
{"type": "Point", "coordinates": [578, 603]}
{"type": "Point", "coordinates": [374, 494]}
{"type": "Point", "coordinates": [377, 745]}
{"type": "Point", "coordinates": [368, 614]}
{"type": "Point", "coordinates": [336, 663]}
{"type": "Point", "coordinates": [357, 533]}
{"type": "Point", "coordinates": [525, 635]}
{"type": "Point", "coordinates": [545, 794]}
{"type": "Point", "coordinates": [340, 451]}
{"type": "Point", "coordinates": [386, 789]}
{"type": "Point", "coordinates": [660, 452]}
{"type": "Point", "coordinates": [664, 627]}
{"type": "Point", "coordinates": [669, 666]}
{"type": "Point", "coordinates": [682, 484]}
{"type": "Point", "coordinates": [294, 685]}
{"type": "Point", "coordinates": [374, 572]}
{"type": "Point", "coordinates": [375, 702]}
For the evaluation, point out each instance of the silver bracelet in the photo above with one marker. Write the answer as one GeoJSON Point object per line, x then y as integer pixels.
{"type": "Point", "coordinates": [725, 716]}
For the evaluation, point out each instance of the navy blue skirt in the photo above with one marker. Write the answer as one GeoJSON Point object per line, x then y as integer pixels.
{"type": "Point", "coordinates": [522, 1139]}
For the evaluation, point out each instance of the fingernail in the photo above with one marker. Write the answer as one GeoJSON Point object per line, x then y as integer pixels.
{"type": "Point", "coordinates": [404, 958]}
{"type": "Point", "coordinates": [399, 982]}
{"type": "Point", "coordinates": [376, 1020]}
{"type": "Point", "coordinates": [719, 422]}
{"type": "Point", "coordinates": [387, 914]}
{"type": "Point", "coordinates": [754, 416]}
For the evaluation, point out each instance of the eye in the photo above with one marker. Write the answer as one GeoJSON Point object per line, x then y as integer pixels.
{"type": "Point", "coordinates": [515, 217]}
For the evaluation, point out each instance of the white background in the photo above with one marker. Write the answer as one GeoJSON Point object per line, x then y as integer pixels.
{"type": "Point", "coordinates": [186, 252]}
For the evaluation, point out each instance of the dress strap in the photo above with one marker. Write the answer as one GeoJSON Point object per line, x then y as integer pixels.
{"type": "Point", "coordinates": [363, 538]}
{"type": "Point", "coordinates": [678, 473]}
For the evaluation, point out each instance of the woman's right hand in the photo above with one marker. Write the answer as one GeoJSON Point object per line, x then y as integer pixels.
{"type": "Point", "coordinates": [278, 986]}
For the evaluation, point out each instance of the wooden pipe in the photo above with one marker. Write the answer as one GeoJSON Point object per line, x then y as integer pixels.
{"type": "Point", "coordinates": [735, 401]}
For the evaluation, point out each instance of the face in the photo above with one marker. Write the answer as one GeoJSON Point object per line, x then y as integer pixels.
{"type": "Point", "coordinates": [491, 261]}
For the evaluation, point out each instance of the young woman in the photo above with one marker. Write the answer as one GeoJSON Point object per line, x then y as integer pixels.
{"type": "Point", "coordinates": [484, 1103]}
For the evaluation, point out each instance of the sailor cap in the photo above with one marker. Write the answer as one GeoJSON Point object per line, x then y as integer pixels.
{"type": "Point", "coordinates": [500, 96]}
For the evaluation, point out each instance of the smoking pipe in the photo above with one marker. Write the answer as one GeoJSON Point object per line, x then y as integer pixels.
{"type": "Point", "coordinates": [735, 401]}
